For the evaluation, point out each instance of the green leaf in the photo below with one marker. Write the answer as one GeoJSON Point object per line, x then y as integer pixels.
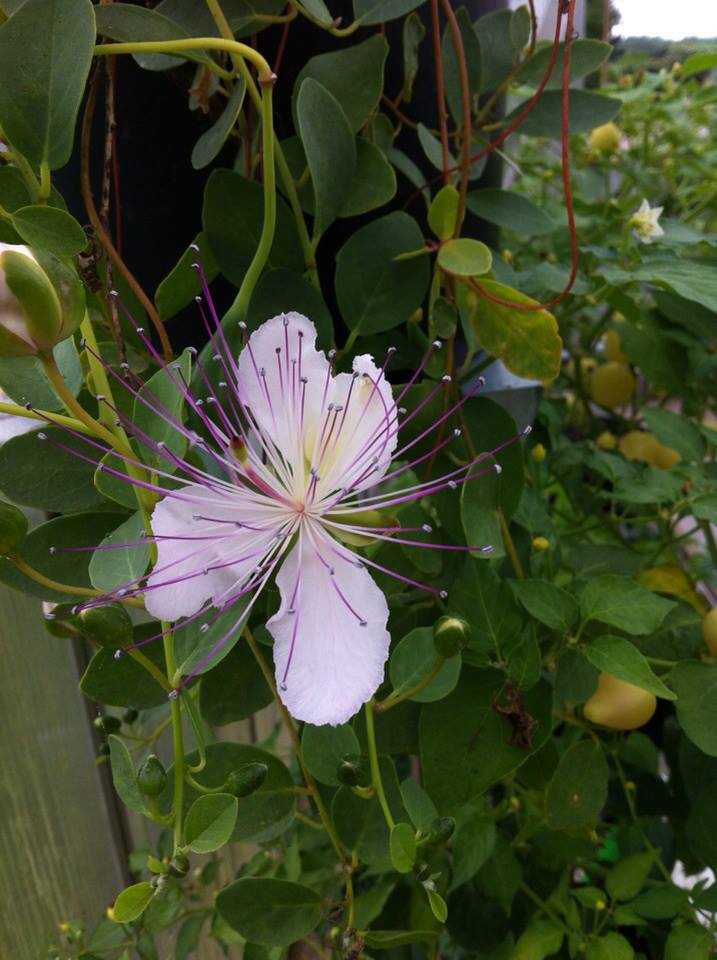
{"type": "Point", "coordinates": [413, 32]}
{"type": "Point", "coordinates": [497, 54]}
{"type": "Point", "coordinates": [466, 743]}
{"type": "Point", "coordinates": [323, 748]}
{"type": "Point", "coordinates": [698, 62]}
{"type": "Point", "coordinates": [380, 11]}
{"type": "Point", "coordinates": [113, 565]}
{"type": "Point", "coordinates": [464, 257]}
{"type": "Point", "coordinates": [126, 22]}
{"type": "Point", "coordinates": [181, 285]}
{"type": "Point", "coordinates": [375, 292]}
{"type": "Point", "coordinates": [271, 912]}
{"type": "Point", "coordinates": [402, 845]}
{"type": "Point", "coordinates": [35, 473]}
{"type": "Point", "coordinates": [233, 215]}
{"type": "Point", "coordinates": [629, 876]}
{"type": "Point", "coordinates": [694, 281]}
{"type": "Point", "coordinates": [489, 606]}
{"type": "Point", "coordinates": [443, 211]}
{"type": "Point", "coordinates": [330, 150]}
{"type": "Point", "coordinates": [438, 905]}
{"type": "Point", "coordinates": [688, 940]}
{"type": "Point", "coordinates": [132, 902]}
{"type": "Point", "coordinates": [24, 379]}
{"type": "Point", "coordinates": [235, 690]}
{"type": "Point", "coordinates": [623, 603]}
{"type": "Point", "coordinates": [413, 658]}
{"type": "Point", "coordinates": [541, 939]}
{"type": "Point", "coordinates": [622, 659]}
{"type": "Point", "coordinates": [123, 775]}
{"type": "Point", "coordinates": [353, 75]}
{"type": "Point", "coordinates": [527, 341]}
{"type": "Point", "coordinates": [696, 687]}
{"type": "Point", "coordinates": [158, 409]}
{"type": "Point", "coordinates": [212, 140]}
{"type": "Point", "coordinates": [243, 16]}
{"type": "Point", "coordinates": [660, 903]}
{"type": "Point", "coordinates": [210, 822]}
{"type": "Point", "coordinates": [578, 789]}
{"type": "Point", "coordinates": [472, 844]}
{"type": "Point", "coordinates": [433, 150]}
{"type": "Point", "coordinates": [509, 209]}
{"type": "Point", "coordinates": [451, 69]}
{"type": "Point", "coordinates": [548, 603]}
{"type": "Point", "coordinates": [123, 682]}
{"type": "Point", "coordinates": [675, 431]}
{"type": "Point", "coordinates": [520, 27]}
{"type": "Point", "coordinates": [50, 229]}
{"type": "Point", "coordinates": [586, 110]}
{"type": "Point", "coordinates": [319, 10]}
{"type": "Point", "coordinates": [47, 43]}
{"type": "Point", "coordinates": [263, 815]}
{"type": "Point", "coordinates": [586, 56]}
{"type": "Point", "coordinates": [188, 937]}
{"type": "Point", "coordinates": [613, 946]}
{"type": "Point", "coordinates": [388, 939]}
{"type": "Point", "coordinates": [419, 806]}
{"type": "Point", "coordinates": [195, 642]}
{"type": "Point", "coordinates": [373, 183]}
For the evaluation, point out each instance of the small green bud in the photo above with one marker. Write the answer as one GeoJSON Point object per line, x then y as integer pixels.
{"type": "Point", "coordinates": [108, 626]}
{"type": "Point", "coordinates": [450, 635]}
{"type": "Point", "coordinates": [348, 772]}
{"type": "Point", "coordinates": [421, 870]}
{"type": "Point", "coordinates": [107, 724]}
{"type": "Point", "coordinates": [179, 865]}
{"type": "Point", "coordinates": [152, 777]}
{"type": "Point", "coordinates": [442, 830]}
{"type": "Point", "coordinates": [246, 779]}
{"type": "Point", "coordinates": [41, 301]}
{"type": "Point", "coordinates": [129, 716]}
{"type": "Point", "coordinates": [13, 528]}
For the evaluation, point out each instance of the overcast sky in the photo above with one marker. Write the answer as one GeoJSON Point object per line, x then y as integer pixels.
{"type": "Point", "coordinates": [666, 18]}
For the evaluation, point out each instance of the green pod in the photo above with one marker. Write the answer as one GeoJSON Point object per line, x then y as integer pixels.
{"type": "Point", "coordinates": [35, 315]}
{"type": "Point", "coordinates": [152, 777]}
{"type": "Point", "coordinates": [450, 636]}
{"type": "Point", "coordinates": [107, 724]}
{"type": "Point", "coordinates": [246, 779]}
{"type": "Point", "coordinates": [108, 626]}
{"type": "Point", "coordinates": [13, 528]}
{"type": "Point", "coordinates": [69, 290]}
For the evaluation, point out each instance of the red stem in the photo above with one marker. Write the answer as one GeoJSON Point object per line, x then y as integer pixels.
{"type": "Point", "coordinates": [440, 92]}
{"type": "Point", "coordinates": [466, 104]}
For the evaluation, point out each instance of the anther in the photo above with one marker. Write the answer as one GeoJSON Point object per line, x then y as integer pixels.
{"type": "Point", "coordinates": [498, 469]}
{"type": "Point", "coordinates": [332, 572]}
{"type": "Point", "coordinates": [262, 372]}
{"type": "Point", "coordinates": [173, 694]}
{"type": "Point", "coordinates": [204, 627]}
{"type": "Point", "coordinates": [282, 687]}
{"type": "Point", "coordinates": [363, 623]}
{"type": "Point", "coordinates": [113, 294]}
{"type": "Point", "coordinates": [481, 381]}
{"type": "Point", "coordinates": [42, 436]}
{"type": "Point", "coordinates": [331, 354]}
{"type": "Point", "coordinates": [194, 246]}
{"type": "Point", "coordinates": [446, 378]}
{"type": "Point", "coordinates": [198, 298]}
{"type": "Point", "coordinates": [118, 422]}
{"type": "Point", "coordinates": [124, 365]}
{"type": "Point", "coordinates": [285, 321]}
{"type": "Point", "coordinates": [436, 344]}
{"type": "Point", "coordinates": [117, 654]}
{"type": "Point", "coordinates": [304, 380]}
{"type": "Point", "coordinates": [527, 430]}
{"type": "Point", "coordinates": [402, 410]}
{"type": "Point", "coordinates": [300, 333]}
{"type": "Point", "coordinates": [28, 406]}
{"type": "Point", "coordinates": [242, 325]}
{"type": "Point", "coordinates": [427, 528]}
{"type": "Point", "coordinates": [140, 329]}
{"type": "Point", "coordinates": [391, 350]}
{"type": "Point", "coordinates": [456, 432]}
{"type": "Point", "coordinates": [223, 384]}
{"type": "Point", "coordinates": [290, 611]}
{"type": "Point", "coordinates": [53, 550]}
{"type": "Point", "coordinates": [195, 265]}
{"type": "Point", "coordinates": [488, 548]}
{"type": "Point", "coordinates": [452, 484]}
{"type": "Point", "coordinates": [83, 343]}
{"type": "Point", "coordinates": [277, 351]}
{"type": "Point", "coordinates": [193, 351]}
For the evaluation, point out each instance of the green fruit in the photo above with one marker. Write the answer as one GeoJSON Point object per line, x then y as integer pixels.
{"type": "Point", "coordinates": [108, 626]}
{"type": "Point", "coordinates": [348, 773]}
{"type": "Point", "coordinates": [152, 777]}
{"type": "Point", "coordinates": [246, 779]}
{"type": "Point", "coordinates": [13, 528]}
{"type": "Point", "coordinates": [107, 724]}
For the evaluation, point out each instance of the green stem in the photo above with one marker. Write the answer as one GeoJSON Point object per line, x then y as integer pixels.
{"type": "Point", "coordinates": [28, 175]}
{"type": "Point", "coordinates": [633, 814]}
{"type": "Point", "coordinates": [510, 546]}
{"type": "Point", "coordinates": [373, 763]}
{"type": "Point", "coordinates": [177, 737]}
{"type": "Point", "coordinates": [232, 46]}
{"type": "Point", "coordinates": [45, 416]}
{"type": "Point", "coordinates": [65, 587]}
{"type": "Point", "coordinates": [45, 182]}
{"type": "Point", "coordinates": [398, 696]}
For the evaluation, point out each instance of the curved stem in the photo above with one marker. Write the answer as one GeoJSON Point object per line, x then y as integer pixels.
{"type": "Point", "coordinates": [190, 43]}
{"type": "Point", "coordinates": [393, 699]}
{"type": "Point", "coordinates": [58, 587]}
{"type": "Point", "coordinates": [44, 416]}
{"type": "Point", "coordinates": [374, 765]}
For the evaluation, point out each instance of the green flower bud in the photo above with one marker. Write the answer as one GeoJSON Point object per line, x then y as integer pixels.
{"type": "Point", "coordinates": [348, 772]}
{"type": "Point", "coordinates": [108, 626]}
{"type": "Point", "coordinates": [442, 830]}
{"type": "Point", "coordinates": [152, 777]}
{"type": "Point", "coordinates": [107, 724]}
{"type": "Point", "coordinates": [450, 635]}
{"type": "Point", "coordinates": [41, 301]}
{"type": "Point", "coordinates": [179, 865]}
{"type": "Point", "coordinates": [13, 528]}
{"type": "Point", "coordinates": [246, 779]}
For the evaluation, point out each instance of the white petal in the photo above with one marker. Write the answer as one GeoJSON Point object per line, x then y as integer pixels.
{"type": "Point", "coordinates": [274, 397]}
{"type": "Point", "coordinates": [179, 586]}
{"type": "Point", "coordinates": [363, 449]}
{"type": "Point", "coordinates": [11, 426]}
{"type": "Point", "coordinates": [336, 664]}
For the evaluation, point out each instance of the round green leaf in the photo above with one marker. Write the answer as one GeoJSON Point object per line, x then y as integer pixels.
{"type": "Point", "coordinates": [210, 822]}
{"type": "Point", "coordinates": [413, 658]}
{"type": "Point", "coordinates": [465, 257]}
{"type": "Point", "coordinates": [443, 211]}
{"type": "Point", "coordinates": [132, 902]}
{"type": "Point", "coordinates": [402, 844]}
{"type": "Point", "coordinates": [271, 912]}
{"type": "Point", "coordinates": [50, 228]}
{"type": "Point", "coordinates": [578, 789]}
{"type": "Point", "coordinates": [323, 748]}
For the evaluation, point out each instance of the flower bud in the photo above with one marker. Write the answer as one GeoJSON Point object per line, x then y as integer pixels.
{"type": "Point", "coordinates": [41, 301]}
{"type": "Point", "coordinates": [538, 453]}
{"type": "Point", "coordinates": [540, 544]}
{"type": "Point", "coordinates": [107, 724]}
{"type": "Point", "coordinates": [605, 138]}
{"type": "Point", "coordinates": [450, 635]}
{"type": "Point", "coordinates": [246, 779]}
{"type": "Point", "coordinates": [108, 626]}
{"type": "Point", "coordinates": [179, 865]}
{"type": "Point", "coordinates": [152, 777]}
{"type": "Point", "coordinates": [442, 830]}
{"type": "Point", "coordinates": [13, 528]}
{"type": "Point", "coordinates": [348, 773]}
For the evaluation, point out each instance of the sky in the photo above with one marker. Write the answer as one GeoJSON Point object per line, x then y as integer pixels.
{"type": "Point", "coordinates": [667, 18]}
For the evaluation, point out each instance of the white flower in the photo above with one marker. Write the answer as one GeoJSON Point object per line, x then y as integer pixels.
{"type": "Point", "coordinates": [293, 454]}
{"type": "Point", "coordinates": [644, 223]}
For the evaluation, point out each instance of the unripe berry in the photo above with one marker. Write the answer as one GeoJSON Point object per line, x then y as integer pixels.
{"type": "Point", "coordinates": [611, 346]}
{"type": "Point", "coordinates": [605, 138]}
{"type": "Point", "coordinates": [246, 779]}
{"type": "Point", "coordinates": [612, 384]}
{"type": "Point", "coordinates": [606, 441]}
{"type": "Point", "coordinates": [538, 453]}
{"type": "Point", "coordinates": [151, 776]}
{"type": "Point", "coordinates": [639, 445]}
{"type": "Point", "coordinates": [619, 705]}
{"type": "Point", "coordinates": [348, 773]}
{"type": "Point", "coordinates": [107, 724]}
{"type": "Point", "coordinates": [540, 544]}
